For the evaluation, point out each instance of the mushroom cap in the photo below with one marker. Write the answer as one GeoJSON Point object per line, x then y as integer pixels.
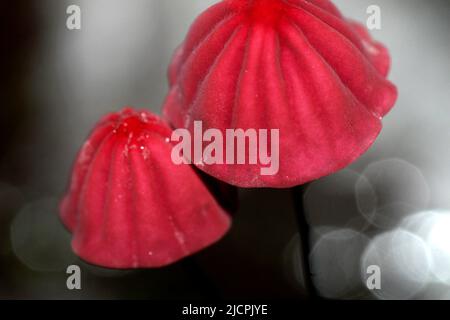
{"type": "Point", "coordinates": [129, 205]}
{"type": "Point", "coordinates": [294, 65]}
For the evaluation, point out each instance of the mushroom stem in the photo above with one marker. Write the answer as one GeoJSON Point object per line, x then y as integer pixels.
{"type": "Point", "coordinates": [305, 240]}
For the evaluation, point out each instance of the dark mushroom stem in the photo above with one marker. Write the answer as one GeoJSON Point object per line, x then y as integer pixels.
{"type": "Point", "coordinates": [305, 240]}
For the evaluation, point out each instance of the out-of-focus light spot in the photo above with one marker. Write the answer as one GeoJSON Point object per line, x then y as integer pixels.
{"type": "Point", "coordinates": [331, 201]}
{"type": "Point", "coordinates": [404, 261]}
{"type": "Point", "coordinates": [391, 215]}
{"type": "Point", "coordinates": [292, 256]}
{"type": "Point", "coordinates": [335, 263]}
{"type": "Point", "coordinates": [292, 262]}
{"type": "Point", "coordinates": [434, 228]}
{"type": "Point", "coordinates": [38, 238]}
{"type": "Point", "coordinates": [400, 189]}
{"type": "Point", "coordinates": [437, 292]}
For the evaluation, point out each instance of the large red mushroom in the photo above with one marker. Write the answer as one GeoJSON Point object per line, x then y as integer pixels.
{"type": "Point", "coordinates": [294, 65]}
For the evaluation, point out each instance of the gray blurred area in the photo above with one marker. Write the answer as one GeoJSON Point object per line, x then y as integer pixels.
{"type": "Point", "coordinates": [391, 208]}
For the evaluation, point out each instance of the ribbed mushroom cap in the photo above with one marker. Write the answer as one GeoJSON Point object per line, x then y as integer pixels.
{"type": "Point", "coordinates": [294, 65]}
{"type": "Point", "coordinates": [129, 205]}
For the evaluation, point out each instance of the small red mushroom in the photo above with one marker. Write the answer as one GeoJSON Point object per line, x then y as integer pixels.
{"type": "Point", "coordinates": [294, 65]}
{"type": "Point", "coordinates": [129, 205]}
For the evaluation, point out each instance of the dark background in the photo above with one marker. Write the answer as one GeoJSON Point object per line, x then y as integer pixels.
{"type": "Point", "coordinates": [391, 208]}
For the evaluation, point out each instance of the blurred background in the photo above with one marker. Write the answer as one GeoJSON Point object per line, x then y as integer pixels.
{"type": "Point", "coordinates": [391, 208]}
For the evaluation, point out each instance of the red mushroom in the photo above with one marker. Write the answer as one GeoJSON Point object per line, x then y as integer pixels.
{"type": "Point", "coordinates": [294, 65]}
{"type": "Point", "coordinates": [129, 205]}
